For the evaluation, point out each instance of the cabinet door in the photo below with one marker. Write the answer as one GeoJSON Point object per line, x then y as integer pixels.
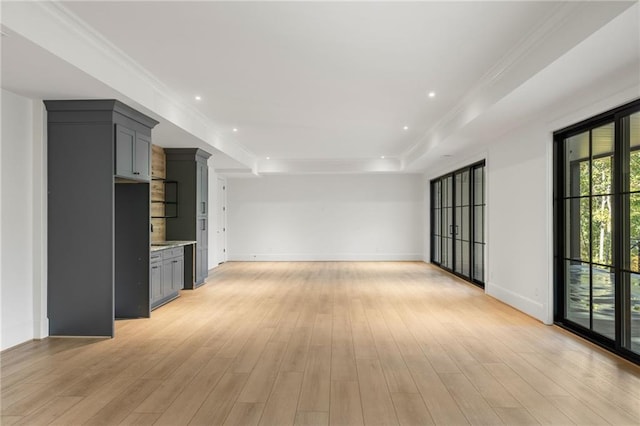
{"type": "Point", "coordinates": [125, 141]}
{"type": "Point", "coordinates": [178, 274]}
{"type": "Point", "coordinates": [204, 189]}
{"type": "Point", "coordinates": [167, 277]}
{"type": "Point", "coordinates": [156, 282]}
{"type": "Point", "coordinates": [202, 231]}
{"type": "Point", "coordinates": [205, 263]}
{"type": "Point", "coordinates": [201, 189]}
{"type": "Point", "coordinates": [142, 157]}
{"type": "Point", "coordinates": [199, 277]}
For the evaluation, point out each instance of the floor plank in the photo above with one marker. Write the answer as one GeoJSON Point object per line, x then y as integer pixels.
{"type": "Point", "coordinates": [327, 343]}
{"type": "Point", "coordinates": [346, 408]}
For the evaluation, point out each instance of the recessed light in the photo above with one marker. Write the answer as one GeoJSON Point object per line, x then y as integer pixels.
{"type": "Point", "coordinates": [406, 127]}
{"type": "Point", "coordinates": [432, 94]}
{"type": "Point", "coordinates": [382, 156]}
{"type": "Point", "coordinates": [268, 158]}
{"type": "Point", "coordinates": [235, 130]}
{"type": "Point", "coordinates": [198, 97]}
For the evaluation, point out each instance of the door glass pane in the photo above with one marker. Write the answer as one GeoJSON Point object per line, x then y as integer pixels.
{"type": "Point", "coordinates": [478, 194]}
{"type": "Point", "coordinates": [603, 301]}
{"type": "Point", "coordinates": [464, 224]}
{"type": "Point", "coordinates": [602, 140]}
{"type": "Point", "coordinates": [436, 194]}
{"type": "Point", "coordinates": [465, 188]}
{"type": "Point", "coordinates": [458, 267]}
{"type": "Point", "coordinates": [447, 252]}
{"type": "Point", "coordinates": [435, 249]}
{"type": "Point", "coordinates": [631, 125]}
{"type": "Point", "coordinates": [577, 292]}
{"type": "Point", "coordinates": [601, 246]}
{"type": "Point", "coordinates": [478, 262]}
{"type": "Point", "coordinates": [458, 178]}
{"type": "Point", "coordinates": [447, 200]}
{"type": "Point", "coordinates": [632, 259]}
{"type": "Point", "coordinates": [633, 314]}
{"type": "Point", "coordinates": [602, 175]}
{"type": "Point", "coordinates": [465, 259]}
{"type": "Point", "coordinates": [479, 224]}
{"type": "Point", "coordinates": [577, 165]}
{"type": "Point", "coordinates": [577, 228]}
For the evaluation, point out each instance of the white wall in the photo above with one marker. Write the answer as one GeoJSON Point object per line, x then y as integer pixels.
{"type": "Point", "coordinates": [325, 217]}
{"type": "Point", "coordinates": [214, 210]}
{"type": "Point", "coordinates": [519, 202]}
{"type": "Point", "coordinates": [16, 287]}
{"type": "Point", "coordinates": [519, 210]}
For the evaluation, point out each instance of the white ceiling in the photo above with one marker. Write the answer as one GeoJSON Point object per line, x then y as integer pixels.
{"type": "Point", "coordinates": [314, 83]}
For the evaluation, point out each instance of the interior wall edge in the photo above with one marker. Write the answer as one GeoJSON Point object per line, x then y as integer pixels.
{"type": "Point", "coordinates": [40, 319]}
{"type": "Point", "coordinates": [327, 257]}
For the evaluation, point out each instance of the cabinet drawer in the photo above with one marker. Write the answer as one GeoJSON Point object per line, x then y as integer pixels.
{"type": "Point", "coordinates": [155, 257]}
{"type": "Point", "coordinates": [172, 252]}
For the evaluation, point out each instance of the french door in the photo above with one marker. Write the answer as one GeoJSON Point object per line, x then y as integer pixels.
{"type": "Point", "coordinates": [457, 222]}
{"type": "Point", "coordinates": [597, 229]}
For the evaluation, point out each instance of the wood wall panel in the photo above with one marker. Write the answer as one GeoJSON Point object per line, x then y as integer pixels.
{"type": "Point", "coordinates": [158, 170]}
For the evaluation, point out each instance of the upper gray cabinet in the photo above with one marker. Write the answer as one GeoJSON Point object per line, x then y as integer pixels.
{"type": "Point", "coordinates": [188, 167]}
{"type": "Point", "coordinates": [133, 154]}
{"type": "Point", "coordinates": [202, 181]}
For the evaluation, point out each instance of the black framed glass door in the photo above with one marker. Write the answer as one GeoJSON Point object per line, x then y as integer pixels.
{"type": "Point", "coordinates": [457, 222]}
{"type": "Point", "coordinates": [462, 223]}
{"type": "Point", "coordinates": [597, 229]}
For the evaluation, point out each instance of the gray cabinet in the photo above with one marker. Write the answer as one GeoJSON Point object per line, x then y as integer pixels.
{"type": "Point", "coordinates": [188, 167]}
{"type": "Point", "coordinates": [202, 181]}
{"type": "Point", "coordinates": [133, 154]}
{"type": "Point", "coordinates": [98, 228]}
{"type": "Point", "coordinates": [156, 277]}
{"type": "Point", "coordinates": [177, 273]}
{"type": "Point", "coordinates": [167, 275]}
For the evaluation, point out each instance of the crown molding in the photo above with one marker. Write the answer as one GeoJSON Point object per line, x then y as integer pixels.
{"type": "Point", "coordinates": [56, 29]}
{"type": "Point", "coordinates": [563, 27]}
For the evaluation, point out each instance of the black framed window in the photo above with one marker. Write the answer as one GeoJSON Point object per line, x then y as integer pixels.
{"type": "Point", "coordinates": [457, 222]}
{"type": "Point", "coordinates": [597, 229]}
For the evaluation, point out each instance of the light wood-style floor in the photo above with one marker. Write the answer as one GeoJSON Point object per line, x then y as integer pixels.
{"type": "Point", "coordinates": [323, 343]}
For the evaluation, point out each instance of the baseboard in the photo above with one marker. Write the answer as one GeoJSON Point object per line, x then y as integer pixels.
{"type": "Point", "coordinates": [326, 257]}
{"type": "Point", "coordinates": [521, 303]}
{"type": "Point", "coordinates": [42, 330]}
{"type": "Point", "coordinates": [16, 335]}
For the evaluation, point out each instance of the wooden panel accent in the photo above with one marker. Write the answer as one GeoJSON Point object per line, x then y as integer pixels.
{"type": "Point", "coordinates": [158, 170]}
{"type": "Point", "coordinates": [158, 162]}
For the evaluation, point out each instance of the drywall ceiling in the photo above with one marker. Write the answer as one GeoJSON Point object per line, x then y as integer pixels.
{"type": "Point", "coordinates": [31, 71]}
{"type": "Point", "coordinates": [314, 86]}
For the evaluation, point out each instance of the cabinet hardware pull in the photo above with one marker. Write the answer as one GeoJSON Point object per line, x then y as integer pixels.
{"type": "Point", "coordinates": [136, 173]}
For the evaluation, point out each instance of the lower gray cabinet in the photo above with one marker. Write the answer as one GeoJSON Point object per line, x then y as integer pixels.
{"type": "Point", "coordinates": [156, 281]}
{"type": "Point", "coordinates": [167, 275]}
{"type": "Point", "coordinates": [177, 273]}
